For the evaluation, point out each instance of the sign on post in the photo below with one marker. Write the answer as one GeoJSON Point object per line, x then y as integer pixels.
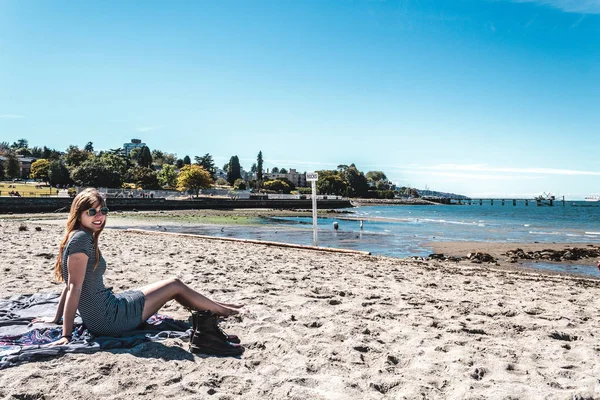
{"type": "Point", "coordinates": [312, 177]}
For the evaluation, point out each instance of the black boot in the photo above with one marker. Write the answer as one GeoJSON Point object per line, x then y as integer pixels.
{"type": "Point", "coordinates": [198, 315]}
{"type": "Point", "coordinates": [207, 338]}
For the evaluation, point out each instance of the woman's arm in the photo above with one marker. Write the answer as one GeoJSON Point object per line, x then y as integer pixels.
{"type": "Point", "coordinates": [61, 305]}
{"type": "Point", "coordinates": [76, 264]}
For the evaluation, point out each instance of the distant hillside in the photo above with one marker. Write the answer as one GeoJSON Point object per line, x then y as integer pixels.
{"type": "Point", "coordinates": [444, 195]}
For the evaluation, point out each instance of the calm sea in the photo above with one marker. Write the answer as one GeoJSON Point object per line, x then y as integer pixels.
{"type": "Point", "coordinates": [404, 231]}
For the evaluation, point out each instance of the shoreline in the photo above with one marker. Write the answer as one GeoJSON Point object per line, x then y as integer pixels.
{"type": "Point", "coordinates": [498, 251]}
{"type": "Point", "coordinates": [399, 202]}
{"type": "Point", "coordinates": [182, 219]}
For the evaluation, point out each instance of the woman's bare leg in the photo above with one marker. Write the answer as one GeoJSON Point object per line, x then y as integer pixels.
{"type": "Point", "coordinates": [159, 293]}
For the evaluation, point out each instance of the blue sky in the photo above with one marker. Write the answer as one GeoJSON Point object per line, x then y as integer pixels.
{"type": "Point", "coordinates": [479, 97]}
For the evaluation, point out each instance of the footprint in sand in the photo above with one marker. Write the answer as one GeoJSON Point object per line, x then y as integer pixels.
{"type": "Point", "coordinates": [479, 373]}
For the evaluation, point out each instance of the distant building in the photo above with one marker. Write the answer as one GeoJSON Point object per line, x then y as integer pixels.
{"type": "Point", "coordinates": [135, 144]}
{"type": "Point", "coordinates": [220, 173]}
{"type": "Point", "coordinates": [298, 179]}
{"type": "Point", "coordinates": [24, 164]}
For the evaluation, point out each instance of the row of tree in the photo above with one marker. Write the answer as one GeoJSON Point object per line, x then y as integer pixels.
{"type": "Point", "coordinates": [156, 169]}
{"type": "Point", "coordinates": [112, 168]}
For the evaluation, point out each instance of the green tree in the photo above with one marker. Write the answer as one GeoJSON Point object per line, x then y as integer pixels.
{"type": "Point", "coordinates": [37, 152]}
{"type": "Point", "coordinates": [331, 182]}
{"type": "Point", "coordinates": [414, 192]}
{"type": "Point", "coordinates": [93, 172]}
{"type": "Point", "coordinates": [12, 166]}
{"type": "Point", "coordinates": [89, 147]}
{"type": "Point", "coordinates": [359, 187]}
{"type": "Point", "coordinates": [283, 171]}
{"type": "Point", "coordinates": [58, 174]}
{"type": "Point", "coordinates": [40, 169]}
{"type": "Point", "coordinates": [193, 178]}
{"type": "Point", "coordinates": [375, 176]}
{"type": "Point", "coordinates": [259, 166]}
{"type": "Point", "coordinates": [222, 182]}
{"type": "Point", "coordinates": [234, 170]}
{"type": "Point", "coordinates": [145, 158]}
{"type": "Point", "coordinates": [275, 170]}
{"type": "Point", "coordinates": [382, 185]}
{"type": "Point", "coordinates": [119, 151]}
{"type": "Point", "coordinates": [144, 177]}
{"type": "Point", "coordinates": [239, 184]}
{"type": "Point", "coordinates": [157, 157]}
{"type": "Point", "coordinates": [179, 163]}
{"type": "Point", "coordinates": [277, 185]}
{"type": "Point", "coordinates": [186, 160]}
{"type": "Point", "coordinates": [207, 162]}
{"type": "Point", "coordinates": [20, 144]}
{"type": "Point", "coordinates": [169, 158]}
{"type": "Point", "coordinates": [74, 156]}
{"type": "Point", "coordinates": [167, 176]}
{"type": "Point", "coordinates": [23, 152]}
{"type": "Point", "coordinates": [2, 171]}
{"type": "Point", "coordinates": [253, 168]}
{"type": "Point", "coordinates": [134, 154]}
{"type": "Point", "coordinates": [115, 162]}
{"type": "Point", "coordinates": [50, 154]}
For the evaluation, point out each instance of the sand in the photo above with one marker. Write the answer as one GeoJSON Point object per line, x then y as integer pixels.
{"type": "Point", "coordinates": [322, 325]}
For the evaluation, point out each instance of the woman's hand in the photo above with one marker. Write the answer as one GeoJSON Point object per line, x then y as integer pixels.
{"type": "Point", "coordinates": [48, 320]}
{"type": "Point", "coordinates": [60, 342]}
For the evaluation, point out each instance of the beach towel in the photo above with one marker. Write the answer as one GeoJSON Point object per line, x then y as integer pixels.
{"type": "Point", "coordinates": [22, 342]}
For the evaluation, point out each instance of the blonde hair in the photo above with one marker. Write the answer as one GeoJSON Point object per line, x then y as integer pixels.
{"type": "Point", "coordinates": [81, 203]}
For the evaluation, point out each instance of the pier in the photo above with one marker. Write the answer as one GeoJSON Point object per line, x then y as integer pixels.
{"type": "Point", "coordinates": [539, 201]}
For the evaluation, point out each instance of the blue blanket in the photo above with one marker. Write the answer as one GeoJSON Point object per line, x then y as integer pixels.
{"type": "Point", "coordinates": [20, 341]}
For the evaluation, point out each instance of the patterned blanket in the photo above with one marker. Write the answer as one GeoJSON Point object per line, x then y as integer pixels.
{"type": "Point", "coordinates": [20, 341]}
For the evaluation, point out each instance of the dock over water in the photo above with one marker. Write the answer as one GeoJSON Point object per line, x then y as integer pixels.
{"type": "Point", "coordinates": [509, 201]}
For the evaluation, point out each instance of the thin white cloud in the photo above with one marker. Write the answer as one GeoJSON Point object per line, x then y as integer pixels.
{"type": "Point", "coordinates": [531, 21]}
{"type": "Point", "coordinates": [470, 176]}
{"type": "Point", "coordinates": [570, 6]}
{"type": "Point", "coordinates": [576, 24]}
{"type": "Point", "coordinates": [298, 162]}
{"type": "Point", "coordinates": [482, 168]}
{"type": "Point", "coordinates": [11, 116]}
{"type": "Point", "coordinates": [288, 163]}
{"type": "Point", "coordinates": [147, 128]}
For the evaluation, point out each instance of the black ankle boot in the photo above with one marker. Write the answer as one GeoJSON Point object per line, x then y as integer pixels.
{"type": "Point", "coordinates": [199, 315]}
{"type": "Point", "coordinates": [208, 338]}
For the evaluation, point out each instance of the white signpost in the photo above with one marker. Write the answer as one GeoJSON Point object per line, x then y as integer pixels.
{"type": "Point", "coordinates": [312, 177]}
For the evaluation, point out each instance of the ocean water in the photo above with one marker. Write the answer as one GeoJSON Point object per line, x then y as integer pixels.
{"type": "Point", "coordinates": [404, 231]}
{"type": "Point", "coordinates": [401, 231]}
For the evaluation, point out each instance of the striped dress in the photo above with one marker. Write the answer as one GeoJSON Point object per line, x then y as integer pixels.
{"type": "Point", "coordinates": [102, 311]}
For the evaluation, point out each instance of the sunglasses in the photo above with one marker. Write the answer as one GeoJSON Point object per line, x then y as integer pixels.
{"type": "Point", "coordinates": [92, 211]}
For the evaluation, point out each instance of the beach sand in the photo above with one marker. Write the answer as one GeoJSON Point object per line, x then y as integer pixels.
{"type": "Point", "coordinates": [322, 325]}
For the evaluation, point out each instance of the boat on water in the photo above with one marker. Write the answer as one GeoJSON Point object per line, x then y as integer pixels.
{"type": "Point", "coordinates": [593, 197]}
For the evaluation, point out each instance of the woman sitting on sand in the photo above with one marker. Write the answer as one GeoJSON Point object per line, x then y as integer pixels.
{"type": "Point", "coordinates": [81, 266]}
